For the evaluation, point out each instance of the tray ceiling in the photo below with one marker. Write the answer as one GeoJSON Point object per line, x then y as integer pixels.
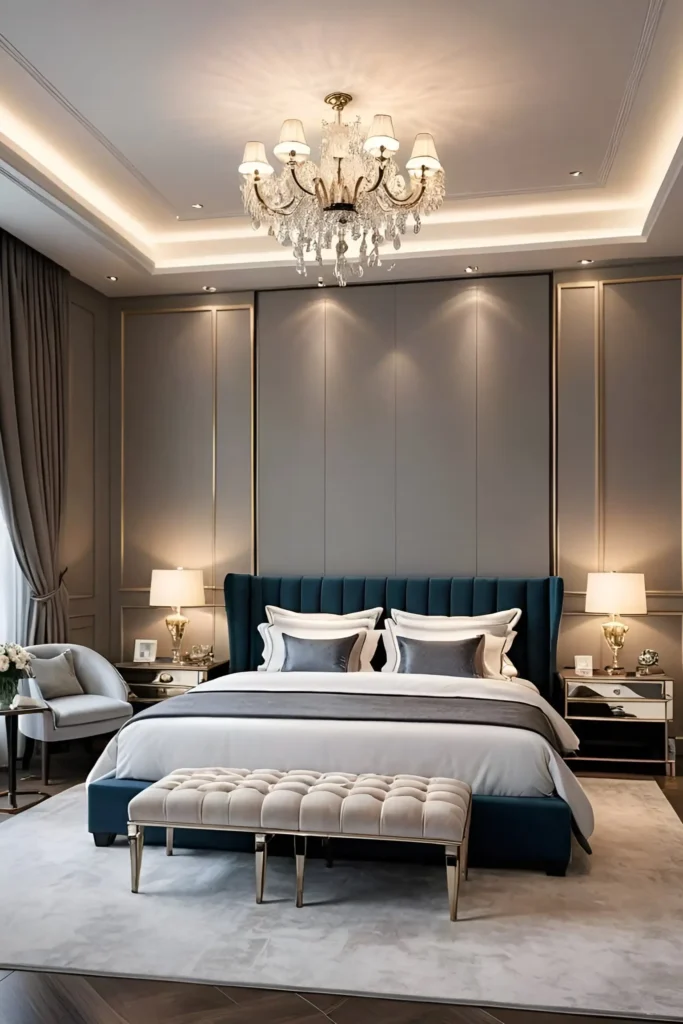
{"type": "Point", "coordinates": [115, 118]}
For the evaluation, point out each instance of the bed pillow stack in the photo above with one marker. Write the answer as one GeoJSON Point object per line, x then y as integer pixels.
{"type": "Point", "coordinates": [496, 631]}
{"type": "Point", "coordinates": [328, 635]}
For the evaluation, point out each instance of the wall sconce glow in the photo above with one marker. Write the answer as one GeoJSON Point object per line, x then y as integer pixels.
{"type": "Point", "coordinates": [208, 288]}
{"type": "Point", "coordinates": [471, 270]}
{"type": "Point", "coordinates": [111, 277]}
{"type": "Point", "coordinates": [575, 174]}
{"type": "Point", "coordinates": [584, 263]}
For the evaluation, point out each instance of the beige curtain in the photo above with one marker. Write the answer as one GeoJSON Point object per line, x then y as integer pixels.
{"type": "Point", "coordinates": [33, 365]}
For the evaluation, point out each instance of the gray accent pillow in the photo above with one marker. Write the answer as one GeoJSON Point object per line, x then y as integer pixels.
{"type": "Point", "coordinates": [442, 657]}
{"type": "Point", "coordinates": [56, 677]}
{"type": "Point", "coordinates": [325, 655]}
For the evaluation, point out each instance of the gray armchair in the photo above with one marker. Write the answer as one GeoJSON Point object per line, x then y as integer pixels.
{"type": "Point", "coordinates": [102, 708]}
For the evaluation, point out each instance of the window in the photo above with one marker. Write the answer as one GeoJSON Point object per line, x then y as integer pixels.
{"type": "Point", "coordinates": [14, 593]}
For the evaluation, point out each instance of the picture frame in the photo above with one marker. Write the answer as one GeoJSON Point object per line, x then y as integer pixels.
{"type": "Point", "coordinates": [145, 651]}
{"type": "Point", "coordinates": [583, 665]}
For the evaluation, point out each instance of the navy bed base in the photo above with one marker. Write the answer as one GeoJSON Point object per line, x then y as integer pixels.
{"type": "Point", "coordinates": [526, 832]}
{"type": "Point", "coordinates": [506, 831]}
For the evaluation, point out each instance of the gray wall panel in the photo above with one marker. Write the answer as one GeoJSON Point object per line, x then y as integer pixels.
{"type": "Point", "coordinates": [436, 471]}
{"type": "Point", "coordinates": [185, 412]}
{"type": "Point", "coordinates": [167, 444]}
{"type": "Point", "coordinates": [84, 541]}
{"type": "Point", "coordinates": [642, 430]}
{"type": "Point", "coordinates": [291, 432]}
{"type": "Point", "coordinates": [78, 531]}
{"type": "Point", "coordinates": [577, 436]}
{"type": "Point", "coordinates": [513, 427]}
{"type": "Point", "coordinates": [360, 430]}
{"type": "Point", "coordinates": [412, 471]}
{"type": "Point", "coordinates": [233, 444]}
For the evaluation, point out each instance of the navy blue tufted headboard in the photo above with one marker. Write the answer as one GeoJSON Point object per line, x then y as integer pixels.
{"type": "Point", "coordinates": [533, 652]}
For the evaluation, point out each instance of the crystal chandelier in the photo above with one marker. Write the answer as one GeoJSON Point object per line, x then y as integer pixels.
{"type": "Point", "coordinates": [356, 194]}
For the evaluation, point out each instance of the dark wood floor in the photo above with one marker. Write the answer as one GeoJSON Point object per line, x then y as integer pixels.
{"type": "Point", "coordinates": [39, 998]}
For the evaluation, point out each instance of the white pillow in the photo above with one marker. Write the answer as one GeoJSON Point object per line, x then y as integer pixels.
{"type": "Point", "coordinates": [499, 623]}
{"type": "Point", "coordinates": [367, 619]}
{"type": "Point", "coordinates": [509, 618]}
{"type": "Point", "coordinates": [274, 647]}
{"type": "Point", "coordinates": [494, 646]}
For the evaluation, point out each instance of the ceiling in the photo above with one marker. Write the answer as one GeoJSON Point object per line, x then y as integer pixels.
{"type": "Point", "coordinates": [116, 118]}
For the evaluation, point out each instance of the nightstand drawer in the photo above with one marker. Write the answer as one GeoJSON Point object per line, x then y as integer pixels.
{"type": "Point", "coordinates": [618, 710]}
{"type": "Point", "coordinates": [633, 689]}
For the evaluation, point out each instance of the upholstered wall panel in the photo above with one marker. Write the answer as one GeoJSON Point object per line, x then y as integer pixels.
{"type": "Point", "coordinates": [400, 424]}
{"type": "Point", "coordinates": [577, 435]}
{"type": "Point", "coordinates": [291, 432]}
{"type": "Point", "coordinates": [642, 430]}
{"type": "Point", "coordinates": [167, 444]}
{"type": "Point", "coordinates": [513, 426]}
{"type": "Point", "coordinates": [360, 431]}
{"type": "Point", "coordinates": [182, 455]}
{"type": "Point", "coordinates": [436, 428]}
{"type": "Point", "coordinates": [84, 543]}
{"type": "Point", "coordinates": [234, 454]}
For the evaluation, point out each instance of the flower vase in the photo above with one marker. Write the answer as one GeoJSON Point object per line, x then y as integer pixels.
{"type": "Point", "coordinates": [9, 687]}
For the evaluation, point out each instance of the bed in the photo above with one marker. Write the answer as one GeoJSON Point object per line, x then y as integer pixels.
{"type": "Point", "coordinates": [526, 800]}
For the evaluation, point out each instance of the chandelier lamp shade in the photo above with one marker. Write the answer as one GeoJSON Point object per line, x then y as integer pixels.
{"type": "Point", "coordinates": [350, 203]}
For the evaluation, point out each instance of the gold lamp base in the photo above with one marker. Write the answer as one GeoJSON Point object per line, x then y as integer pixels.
{"type": "Point", "coordinates": [176, 624]}
{"type": "Point", "coordinates": [614, 632]}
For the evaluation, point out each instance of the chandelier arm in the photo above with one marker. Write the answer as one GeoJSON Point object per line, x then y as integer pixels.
{"type": "Point", "coordinates": [298, 183]}
{"type": "Point", "coordinates": [408, 202]}
{"type": "Point", "coordinates": [373, 188]}
{"type": "Point", "coordinates": [285, 210]}
{"type": "Point", "coordinates": [321, 192]}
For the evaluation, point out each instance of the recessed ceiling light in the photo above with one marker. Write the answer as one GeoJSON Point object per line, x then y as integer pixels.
{"type": "Point", "coordinates": [208, 288]}
{"type": "Point", "coordinates": [576, 174]}
{"type": "Point", "coordinates": [585, 262]}
{"type": "Point", "coordinates": [198, 206]}
{"type": "Point", "coordinates": [471, 270]}
{"type": "Point", "coordinates": [111, 277]}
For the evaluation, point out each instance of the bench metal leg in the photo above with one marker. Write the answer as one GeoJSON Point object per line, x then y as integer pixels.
{"type": "Point", "coordinates": [136, 841]}
{"type": "Point", "coordinates": [453, 879]}
{"type": "Point", "coordinates": [465, 848]}
{"type": "Point", "coordinates": [261, 850]}
{"type": "Point", "coordinates": [300, 857]}
{"type": "Point", "coordinates": [169, 842]}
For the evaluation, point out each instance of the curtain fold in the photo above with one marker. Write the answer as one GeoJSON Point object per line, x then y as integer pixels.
{"type": "Point", "coordinates": [33, 368]}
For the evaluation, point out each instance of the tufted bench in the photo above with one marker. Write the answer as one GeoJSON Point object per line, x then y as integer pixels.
{"type": "Point", "coordinates": [301, 803]}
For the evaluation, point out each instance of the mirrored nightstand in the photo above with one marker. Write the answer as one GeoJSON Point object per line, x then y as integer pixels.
{"type": "Point", "coordinates": [621, 721]}
{"type": "Point", "coordinates": [150, 682]}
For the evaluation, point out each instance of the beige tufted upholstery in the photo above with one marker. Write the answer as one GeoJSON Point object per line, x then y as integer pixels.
{"type": "Point", "coordinates": [331, 804]}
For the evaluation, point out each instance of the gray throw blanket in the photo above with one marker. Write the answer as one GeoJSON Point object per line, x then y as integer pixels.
{"type": "Point", "coordinates": [368, 707]}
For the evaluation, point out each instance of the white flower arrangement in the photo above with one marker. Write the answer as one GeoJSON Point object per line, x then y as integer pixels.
{"type": "Point", "coordinates": [14, 658]}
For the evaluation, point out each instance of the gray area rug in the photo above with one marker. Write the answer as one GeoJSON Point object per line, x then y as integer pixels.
{"type": "Point", "coordinates": [608, 938]}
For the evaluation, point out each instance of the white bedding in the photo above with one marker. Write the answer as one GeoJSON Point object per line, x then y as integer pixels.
{"type": "Point", "coordinates": [494, 760]}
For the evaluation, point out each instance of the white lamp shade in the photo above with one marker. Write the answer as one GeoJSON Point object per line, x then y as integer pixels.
{"type": "Point", "coordinates": [621, 593]}
{"type": "Point", "coordinates": [381, 134]}
{"type": "Point", "coordinates": [292, 140]}
{"type": "Point", "coordinates": [255, 159]}
{"type": "Point", "coordinates": [424, 154]}
{"type": "Point", "coordinates": [176, 588]}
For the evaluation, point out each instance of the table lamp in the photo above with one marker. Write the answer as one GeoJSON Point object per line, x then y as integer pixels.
{"type": "Point", "coordinates": [616, 593]}
{"type": "Point", "coordinates": [177, 588]}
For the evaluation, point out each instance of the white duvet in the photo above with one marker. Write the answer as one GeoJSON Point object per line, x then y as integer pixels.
{"type": "Point", "coordinates": [494, 760]}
